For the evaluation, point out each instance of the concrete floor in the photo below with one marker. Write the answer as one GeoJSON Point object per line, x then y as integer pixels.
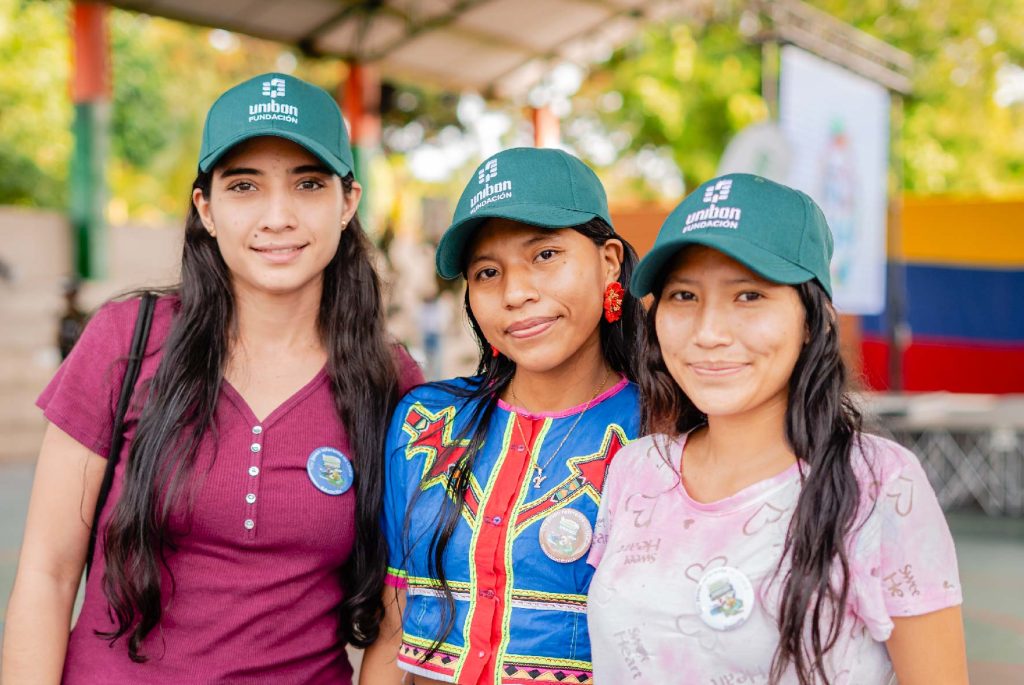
{"type": "Point", "coordinates": [990, 553]}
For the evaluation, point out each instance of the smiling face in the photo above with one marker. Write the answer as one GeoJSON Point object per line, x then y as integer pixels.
{"type": "Point", "coordinates": [537, 293]}
{"type": "Point", "coordinates": [729, 338]}
{"type": "Point", "coordinates": [277, 213]}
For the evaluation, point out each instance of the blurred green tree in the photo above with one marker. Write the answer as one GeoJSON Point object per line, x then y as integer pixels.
{"type": "Point", "coordinates": [35, 118]}
{"type": "Point", "coordinates": [678, 88]}
{"type": "Point", "coordinates": [688, 89]}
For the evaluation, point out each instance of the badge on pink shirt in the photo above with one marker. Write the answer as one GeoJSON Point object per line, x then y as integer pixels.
{"type": "Point", "coordinates": [725, 598]}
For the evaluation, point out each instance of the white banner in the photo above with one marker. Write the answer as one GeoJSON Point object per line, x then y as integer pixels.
{"type": "Point", "coordinates": [837, 125]}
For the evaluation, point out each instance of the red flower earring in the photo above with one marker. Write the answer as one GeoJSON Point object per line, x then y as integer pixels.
{"type": "Point", "coordinates": [613, 302]}
{"type": "Point", "coordinates": [494, 351]}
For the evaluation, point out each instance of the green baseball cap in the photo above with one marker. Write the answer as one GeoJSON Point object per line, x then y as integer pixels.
{"type": "Point", "coordinates": [772, 229]}
{"type": "Point", "coordinates": [536, 186]}
{"type": "Point", "coordinates": [277, 105]}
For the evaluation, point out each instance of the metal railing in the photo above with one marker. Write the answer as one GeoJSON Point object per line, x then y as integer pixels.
{"type": "Point", "coordinates": [971, 446]}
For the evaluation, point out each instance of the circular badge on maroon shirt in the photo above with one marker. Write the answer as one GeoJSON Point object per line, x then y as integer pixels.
{"type": "Point", "coordinates": [330, 471]}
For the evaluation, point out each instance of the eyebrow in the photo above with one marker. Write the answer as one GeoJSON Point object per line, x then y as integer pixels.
{"type": "Point", "coordinates": [538, 237]}
{"type": "Point", "coordinates": [304, 169]}
{"type": "Point", "coordinates": [240, 171]}
{"type": "Point", "coordinates": [312, 169]}
{"type": "Point", "coordinates": [731, 281]}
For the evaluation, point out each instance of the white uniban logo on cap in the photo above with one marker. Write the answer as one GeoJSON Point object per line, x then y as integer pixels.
{"type": "Point", "coordinates": [714, 216]}
{"type": "Point", "coordinates": [718, 192]}
{"type": "Point", "coordinates": [273, 110]}
{"type": "Point", "coordinates": [274, 88]}
{"type": "Point", "coordinates": [489, 171]}
{"type": "Point", "coordinates": [491, 192]}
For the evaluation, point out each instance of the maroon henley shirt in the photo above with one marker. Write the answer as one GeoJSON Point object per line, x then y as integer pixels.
{"type": "Point", "coordinates": [257, 569]}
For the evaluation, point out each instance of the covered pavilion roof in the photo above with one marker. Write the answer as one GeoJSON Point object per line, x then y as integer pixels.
{"type": "Point", "coordinates": [500, 48]}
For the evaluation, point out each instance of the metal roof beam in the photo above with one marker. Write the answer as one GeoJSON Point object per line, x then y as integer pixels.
{"type": "Point", "coordinates": [636, 13]}
{"type": "Point", "coordinates": [440, 21]}
{"type": "Point", "coordinates": [368, 9]}
{"type": "Point", "coordinates": [556, 52]}
{"type": "Point", "coordinates": [793, 21]}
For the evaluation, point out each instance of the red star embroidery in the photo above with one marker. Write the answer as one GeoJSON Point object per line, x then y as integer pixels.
{"type": "Point", "coordinates": [431, 436]}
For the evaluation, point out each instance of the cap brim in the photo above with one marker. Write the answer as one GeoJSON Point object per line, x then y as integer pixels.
{"type": "Point", "coordinates": [449, 256]}
{"type": "Point", "coordinates": [762, 262]}
{"type": "Point", "coordinates": [335, 163]}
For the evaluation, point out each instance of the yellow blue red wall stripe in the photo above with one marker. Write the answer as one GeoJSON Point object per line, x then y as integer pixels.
{"type": "Point", "coordinates": [964, 276]}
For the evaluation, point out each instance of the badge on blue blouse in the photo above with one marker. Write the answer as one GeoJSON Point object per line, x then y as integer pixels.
{"type": "Point", "coordinates": [330, 470]}
{"type": "Point", "coordinates": [725, 598]}
{"type": "Point", "coordinates": [565, 535]}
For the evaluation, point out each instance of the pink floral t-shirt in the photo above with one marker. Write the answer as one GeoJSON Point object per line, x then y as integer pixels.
{"type": "Point", "coordinates": [684, 590]}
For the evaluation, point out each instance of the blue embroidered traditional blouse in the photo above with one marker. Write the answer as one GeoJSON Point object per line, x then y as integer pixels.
{"type": "Point", "coordinates": [520, 615]}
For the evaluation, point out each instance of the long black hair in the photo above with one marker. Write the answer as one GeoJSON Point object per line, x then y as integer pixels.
{"type": "Point", "coordinates": [822, 426]}
{"type": "Point", "coordinates": [178, 409]}
{"type": "Point", "coordinates": [621, 344]}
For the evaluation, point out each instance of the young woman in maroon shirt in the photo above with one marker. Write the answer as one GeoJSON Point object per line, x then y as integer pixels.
{"type": "Point", "coordinates": [240, 542]}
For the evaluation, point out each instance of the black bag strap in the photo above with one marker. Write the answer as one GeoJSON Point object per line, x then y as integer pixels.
{"type": "Point", "coordinates": [131, 375]}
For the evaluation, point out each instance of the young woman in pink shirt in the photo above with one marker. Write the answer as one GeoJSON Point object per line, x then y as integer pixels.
{"type": "Point", "coordinates": [240, 542]}
{"type": "Point", "coordinates": [758, 535]}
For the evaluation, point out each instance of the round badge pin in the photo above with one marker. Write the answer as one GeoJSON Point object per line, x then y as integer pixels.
{"type": "Point", "coordinates": [565, 535]}
{"type": "Point", "coordinates": [330, 471]}
{"type": "Point", "coordinates": [725, 598]}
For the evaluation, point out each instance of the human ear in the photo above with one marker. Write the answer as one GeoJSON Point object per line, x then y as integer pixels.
{"type": "Point", "coordinates": [202, 204]}
{"type": "Point", "coordinates": [612, 253]}
{"type": "Point", "coordinates": [352, 198]}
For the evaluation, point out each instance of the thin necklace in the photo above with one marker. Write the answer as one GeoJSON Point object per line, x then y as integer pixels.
{"type": "Point", "coordinates": [539, 477]}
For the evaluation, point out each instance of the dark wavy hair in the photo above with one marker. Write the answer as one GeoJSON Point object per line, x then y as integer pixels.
{"type": "Point", "coordinates": [621, 345]}
{"type": "Point", "coordinates": [822, 426]}
{"type": "Point", "coordinates": [178, 409]}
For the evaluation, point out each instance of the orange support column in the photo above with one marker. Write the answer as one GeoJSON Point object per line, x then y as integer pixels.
{"type": "Point", "coordinates": [546, 127]}
{"type": "Point", "coordinates": [360, 103]}
{"type": "Point", "coordinates": [90, 58]}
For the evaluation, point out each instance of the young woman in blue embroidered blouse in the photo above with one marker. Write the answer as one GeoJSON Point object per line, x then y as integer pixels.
{"type": "Point", "coordinates": [494, 590]}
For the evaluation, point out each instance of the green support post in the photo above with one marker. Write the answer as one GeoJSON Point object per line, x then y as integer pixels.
{"type": "Point", "coordinates": [88, 188]}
